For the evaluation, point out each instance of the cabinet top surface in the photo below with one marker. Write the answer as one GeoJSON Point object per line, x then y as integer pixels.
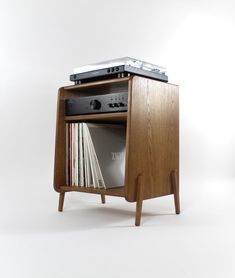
{"type": "Point", "coordinates": [97, 83]}
{"type": "Point", "coordinates": [109, 81]}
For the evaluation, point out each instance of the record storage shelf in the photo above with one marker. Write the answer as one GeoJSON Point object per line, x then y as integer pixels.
{"type": "Point", "coordinates": [152, 139]}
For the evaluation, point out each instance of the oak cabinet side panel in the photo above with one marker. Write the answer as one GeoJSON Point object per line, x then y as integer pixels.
{"type": "Point", "coordinates": [153, 137]}
{"type": "Point", "coordinates": [60, 143]}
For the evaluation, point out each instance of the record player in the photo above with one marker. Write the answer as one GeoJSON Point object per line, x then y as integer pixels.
{"type": "Point", "coordinates": [118, 68]}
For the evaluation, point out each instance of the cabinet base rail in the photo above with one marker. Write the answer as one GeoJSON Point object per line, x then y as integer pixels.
{"type": "Point", "coordinates": [119, 192]}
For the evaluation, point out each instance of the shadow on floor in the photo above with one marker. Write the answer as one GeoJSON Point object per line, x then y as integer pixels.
{"type": "Point", "coordinates": [85, 218]}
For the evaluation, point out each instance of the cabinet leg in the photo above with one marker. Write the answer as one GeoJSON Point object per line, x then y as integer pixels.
{"type": "Point", "coordinates": [102, 198]}
{"type": "Point", "coordinates": [61, 201]}
{"type": "Point", "coordinates": [139, 201]}
{"type": "Point", "coordinates": [175, 187]}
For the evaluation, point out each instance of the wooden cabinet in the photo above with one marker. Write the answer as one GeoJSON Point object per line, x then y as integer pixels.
{"type": "Point", "coordinates": [152, 139]}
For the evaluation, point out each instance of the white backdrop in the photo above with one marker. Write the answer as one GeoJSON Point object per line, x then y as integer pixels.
{"type": "Point", "coordinates": [41, 43]}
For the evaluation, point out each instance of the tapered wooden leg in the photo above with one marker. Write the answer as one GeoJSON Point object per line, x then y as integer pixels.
{"type": "Point", "coordinates": [102, 198]}
{"type": "Point", "coordinates": [175, 187]}
{"type": "Point", "coordinates": [139, 201]}
{"type": "Point", "coordinates": [61, 201]}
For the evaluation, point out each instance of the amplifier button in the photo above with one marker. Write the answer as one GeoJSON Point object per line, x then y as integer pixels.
{"type": "Point", "coordinates": [95, 104]}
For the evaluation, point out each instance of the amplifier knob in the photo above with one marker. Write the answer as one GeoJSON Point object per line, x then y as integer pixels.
{"type": "Point", "coordinates": [95, 104]}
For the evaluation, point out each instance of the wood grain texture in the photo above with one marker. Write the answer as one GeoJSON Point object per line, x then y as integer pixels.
{"type": "Point", "coordinates": [139, 200]}
{"type": "Point", "coordinates": [61, 201]}
{"type": "Point", "coordinates": [105, 117]}
{"type": "Point", "coordinates": [117, 191]}
{"type": "Point", "coordinates": [153, 147]}
{"type": "Point", "coordinates": [112, 83]}
{"type": "Point", "coordinates": [128, 142]}
{"type": "Point", "coordinates": [175, 187]}
{"type": "Point", "coordinates": [152, 139]}
{"type": "Point", "coordinates": [102, 198]}
{"type": "Point", "coordinates": [60, 149]}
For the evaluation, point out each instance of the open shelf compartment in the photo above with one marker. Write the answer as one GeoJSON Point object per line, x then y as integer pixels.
{"type": "Point", "coordinates": [76, 91]}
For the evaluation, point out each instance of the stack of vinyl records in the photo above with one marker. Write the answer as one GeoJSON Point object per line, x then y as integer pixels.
{"type": "Point", "coordinates": [95, 155]}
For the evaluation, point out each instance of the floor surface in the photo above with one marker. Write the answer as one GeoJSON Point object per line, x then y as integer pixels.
{"type": "Point", "coordinates": [90, 239]}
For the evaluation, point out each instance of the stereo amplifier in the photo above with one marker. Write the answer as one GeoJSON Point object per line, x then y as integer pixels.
{"type": "Point", "coordinates": [107, 103]}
